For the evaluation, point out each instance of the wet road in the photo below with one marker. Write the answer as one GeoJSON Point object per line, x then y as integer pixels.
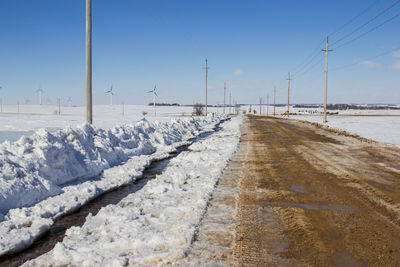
{"type": "Point", "coordinates": [309, 196]}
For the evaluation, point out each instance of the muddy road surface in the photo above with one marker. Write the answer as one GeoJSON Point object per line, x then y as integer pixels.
{"type": "Point", "coordinates": [311, 197]}
{"type": "Point", "coordinates": [299, 195]}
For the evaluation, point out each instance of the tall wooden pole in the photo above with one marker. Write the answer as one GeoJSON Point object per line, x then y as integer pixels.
{"type": "Point", "coordinates": [89, 115]}
{"type": "Point", "coordinates": [267, 104]}
{"type": "Point", "coordinates": [274, 99]}
{"type": "Point", "coordinates": [260, 104]}
{"type": "Point", "coordinates": [326, 77]}
{"type": "Point", "coordinates": [263, 105]}
{"type": "Point", "coordinates": [206, 84]}
{"type": "Point", "coordinates": [288, 111]}
{"type": "Point", "coordinates": [224, 95]}
{"type": "Point", "coordinates": [154, 102]}
{"type": "Point", "coordinates": [230, 97]}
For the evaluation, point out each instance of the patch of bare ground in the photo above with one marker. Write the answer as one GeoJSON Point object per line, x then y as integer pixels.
{"type": "Point", "coordinates": [312, 197]}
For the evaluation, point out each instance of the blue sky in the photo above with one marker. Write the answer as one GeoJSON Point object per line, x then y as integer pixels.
{"type": "Point", "coordinates": [250, 44]}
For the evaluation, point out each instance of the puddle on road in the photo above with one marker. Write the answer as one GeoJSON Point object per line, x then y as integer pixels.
{"type": "Point", "coordinates": [341, 208]}
{"type": "Point", "coordinates": [298, 189]}
{"type": "Point", "coordinates": [78, 217]}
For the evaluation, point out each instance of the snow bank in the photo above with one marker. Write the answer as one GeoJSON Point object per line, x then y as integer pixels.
{"type": "Point", "coordinates": [155, 225]}
{"type": "Point", "coordinates": [48, 174]}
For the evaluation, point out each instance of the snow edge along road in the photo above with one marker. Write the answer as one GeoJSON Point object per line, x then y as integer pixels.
{"type": "Point", "coordinates": [120, 155]}
{"type": "Point", "coordinates": [155, 225]}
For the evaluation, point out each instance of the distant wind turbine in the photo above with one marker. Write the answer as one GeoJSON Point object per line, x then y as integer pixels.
{"type": "Point", "coordinates": [111, 94]}
{"type": "Point", "coordinates": [40, 91]}
{"type": "Point", "coordinates": [154, 98]}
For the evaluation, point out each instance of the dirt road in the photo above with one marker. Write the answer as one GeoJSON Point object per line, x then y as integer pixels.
{"type": "Point", "coordinates": [309, 196]}
{"type": "Point", "coordinates": [298, 195]}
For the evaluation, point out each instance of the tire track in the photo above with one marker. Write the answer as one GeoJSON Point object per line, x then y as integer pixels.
{"type": "Point", "coordinates": [311, 197]}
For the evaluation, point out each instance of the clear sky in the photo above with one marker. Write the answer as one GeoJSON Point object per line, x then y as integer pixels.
{"type": "Point", "coordinates": [251, 44]}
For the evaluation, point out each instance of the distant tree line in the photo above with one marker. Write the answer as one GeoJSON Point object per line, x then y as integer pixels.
{"type": "Point", "coordinates": [164, 104]}
{"type": "Point", "coordinates": [351, 106]}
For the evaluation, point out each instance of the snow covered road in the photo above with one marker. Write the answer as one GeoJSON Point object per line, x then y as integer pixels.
{"type": "Point", "coordinates": [155, 225]}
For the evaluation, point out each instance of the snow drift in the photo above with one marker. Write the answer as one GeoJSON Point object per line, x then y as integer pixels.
{"type": "Point", "coordinates": [49, 174]}
{"type": "Point", "coordinates": [155, 225]}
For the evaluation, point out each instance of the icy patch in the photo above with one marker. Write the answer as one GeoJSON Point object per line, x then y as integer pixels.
{"type": "Point", "coordinates": [155, 225]}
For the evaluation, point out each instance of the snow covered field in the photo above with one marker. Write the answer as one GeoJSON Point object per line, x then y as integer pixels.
{"type": "Point", "coordinates": [156, 225]}
{"type": "Point", "coordinates": [34, 117]}
{"type": "Point", "coordinates": [385, 129]}
{"type": "Point", "coordinates": [51, 173]}
{"type": "Point", "coordinates": [378, 125]}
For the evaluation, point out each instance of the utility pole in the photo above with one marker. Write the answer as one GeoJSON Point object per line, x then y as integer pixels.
{"type": "Point", "coordinates": [206, 84]}
{"type": "Point", "coordinates": [288, 111]}
{"type": "Point", "coordinates": [59, 106]}
{"type": "Point", "coordinates": [267, 104]}
{"type": "Point", "coordinates": [40, 90]}
{"type": "Point", "coordinates": [224, 95]}
{"type": "Point", "coordinates": [263, 105]}
{"type": "Point", "coordinates": [274, 99]}
{"type": "Point", "coordinates": [236, 108]}
{"type": "Point", "coordinates": [89, 115]}
{"type": "Point", "coordinates": [326, 50]}
{"type": "Point", "coordinates": [260, 105]}
{"type": "Point", "coordinates": [123, 109]}
{"type": "Point", "coordinates": [230, 96]}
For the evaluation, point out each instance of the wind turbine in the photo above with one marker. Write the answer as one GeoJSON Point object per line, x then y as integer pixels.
{"type": "Point", "coordinates": [111, 94]}
{"type": "Point", "coordinates": [40, 91]}
{"type": "Point", "coordinates": [154, 98]}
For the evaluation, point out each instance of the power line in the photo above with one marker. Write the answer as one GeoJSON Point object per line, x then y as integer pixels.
{"type": "Point", "coordinates": [353, 19]}
{"type": "Point", "coordinates": [360, 61]}
{"type": "Point", "coordinates": [308, 59]}
{"type": "Point", "coordinates": [366, 23]}
{"type": "Point", "coordinates": [312, 60]}
{"type": "Point", "coordinates": [310, 68]}
{"type": "Point", "coordinates": [369, 31]}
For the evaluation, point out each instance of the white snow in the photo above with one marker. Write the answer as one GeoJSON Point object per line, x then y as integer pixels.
{"type": "Point", "coordinates": [34, 117]}
{"type": "Point", "coordinates": [51, 173]}
{"type": "Point", "coordinates": [379, 125]}
{"type": "Point", "coordinates": [380, 128]}
{"type": "Point", "coordinates": [155, 225]}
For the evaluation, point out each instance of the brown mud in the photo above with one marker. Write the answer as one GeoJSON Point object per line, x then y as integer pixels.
{"type": "Point", "coordinates": [312, 197]}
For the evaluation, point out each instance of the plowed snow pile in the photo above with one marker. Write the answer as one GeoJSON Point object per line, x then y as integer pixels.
{"type": "Point", "coordinates": [155, 225]}
{"type": "Point", "coordinates": [49, 174]}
